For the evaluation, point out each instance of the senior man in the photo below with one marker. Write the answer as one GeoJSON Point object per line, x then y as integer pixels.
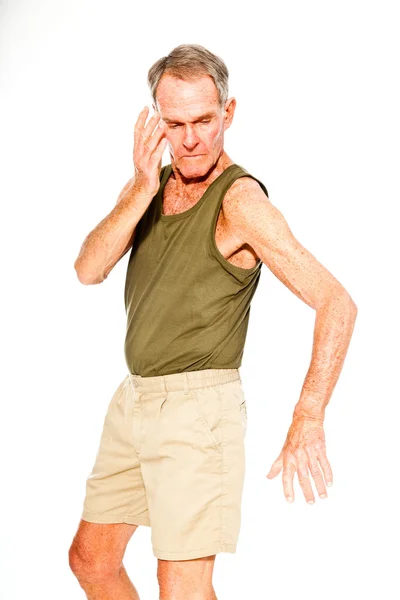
{"type": "Point", "coordinates": [171, 453]}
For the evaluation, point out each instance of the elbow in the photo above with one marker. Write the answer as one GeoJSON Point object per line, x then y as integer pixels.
{"type": "Point", "coordinates": [88, 280]}
{"type": "Point", "coordinates": [343, 297]}
{"type": "Point", "coordinates": [85, 277]}
{"type": "Point", "coordinates": [353, 305]}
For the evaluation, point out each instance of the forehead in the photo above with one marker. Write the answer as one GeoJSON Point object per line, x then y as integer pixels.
{"type": "Point", "coordinates": [184, 98]}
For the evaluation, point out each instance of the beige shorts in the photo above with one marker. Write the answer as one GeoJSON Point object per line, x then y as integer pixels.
{"type": "Point", "coordinates": [172, 457]}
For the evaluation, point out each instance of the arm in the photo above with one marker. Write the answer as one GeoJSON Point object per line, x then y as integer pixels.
{"type": "Point", "coordinates": [334, 324]}
{"type": "Point", "coordinates": [114, 235]}
{"type": "Point", "coordinates": [111, 239]}
{"type": "Point", "coordinates": [254, 220]}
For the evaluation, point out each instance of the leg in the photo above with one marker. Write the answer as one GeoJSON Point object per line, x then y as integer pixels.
{"type": "Point", "coordinates": [186, 579]}
{"type": "Point", "coordinates": [192, 453]}
{"type": "Point", "coordinates": [95, 558]}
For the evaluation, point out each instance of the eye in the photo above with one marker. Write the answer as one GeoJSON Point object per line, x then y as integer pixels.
{"type": "Point", "coordinates": [174, 126]}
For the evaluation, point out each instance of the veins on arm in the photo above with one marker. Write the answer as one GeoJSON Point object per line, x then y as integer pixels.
{"type": "Point", "coordinates": [255, 221]}
{"type": "Point", "coordinates": [252, 217]}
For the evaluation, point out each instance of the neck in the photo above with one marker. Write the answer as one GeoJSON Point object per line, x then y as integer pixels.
{"type": "Point", "coordinates": [181, 182]}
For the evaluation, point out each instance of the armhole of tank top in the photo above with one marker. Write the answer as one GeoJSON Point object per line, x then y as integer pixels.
{"type": "Point", "coordinates": [234, 270]}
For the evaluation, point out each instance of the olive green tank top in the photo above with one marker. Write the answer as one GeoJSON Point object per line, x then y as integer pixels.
{"type": "Point", "coordinates": [187, 306]}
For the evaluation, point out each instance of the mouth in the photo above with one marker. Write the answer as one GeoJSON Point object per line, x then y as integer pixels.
{"type": "Point", "coordinates": [192, 156]}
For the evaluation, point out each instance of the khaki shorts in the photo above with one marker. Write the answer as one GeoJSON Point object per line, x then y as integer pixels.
{"type": "Point", "coordinates": [172, 457]}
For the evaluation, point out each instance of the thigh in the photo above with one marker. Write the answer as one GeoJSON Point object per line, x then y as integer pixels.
{"type": "Point", "coordinates": [115, 491]}
{"type": "Point", "coordinates": [98, 547]}
{"type": "Point", "coordinates": [181, 578]}
{"type": "Point", "coordinates": [192, 448]}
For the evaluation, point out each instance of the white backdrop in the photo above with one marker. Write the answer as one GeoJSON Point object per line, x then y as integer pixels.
{"type": "Point", "coordinates": [317, 120]}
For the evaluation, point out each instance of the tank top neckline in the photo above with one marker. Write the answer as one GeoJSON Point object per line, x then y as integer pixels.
{"type": "Point", "coordinates": [192, 209]}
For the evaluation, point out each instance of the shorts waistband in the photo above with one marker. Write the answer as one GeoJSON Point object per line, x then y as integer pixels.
{"type": "Point", "coordinates": [183, 381]}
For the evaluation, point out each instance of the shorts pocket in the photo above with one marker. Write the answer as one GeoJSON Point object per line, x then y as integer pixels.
{"type": "Point", "coordinates": [241, 402]}
{"type": "Point", "coordinates": [207, 404]}
{"type": "Point", "coordinates": [243, 412]}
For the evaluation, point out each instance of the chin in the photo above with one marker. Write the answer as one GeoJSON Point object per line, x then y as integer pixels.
{"type": "Point", "coordinates": [194, 167]}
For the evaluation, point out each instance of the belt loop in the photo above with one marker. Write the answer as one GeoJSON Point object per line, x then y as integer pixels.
{"type": "Point", "coordinates": [186, 384]}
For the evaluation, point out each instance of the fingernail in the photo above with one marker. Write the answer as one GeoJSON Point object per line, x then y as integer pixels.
{"type": "Point", "coordinates": [329, 483]}
{"type": "Point", "coordinates": [311, 502]}
{"type": "Point", "coordinates": [289, 498]}
{"type": "Point", "coordinates": [322, 496]}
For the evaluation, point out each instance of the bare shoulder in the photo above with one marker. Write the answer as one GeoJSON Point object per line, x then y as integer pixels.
{"type": "Point", "coordinates": [245, 185]}
{"type": "Point", "coordinates": [246, 191]}
{"type": "Point", "coordinates": [253, 219]}
{"type": "Point", "coordinates": [243, 202]}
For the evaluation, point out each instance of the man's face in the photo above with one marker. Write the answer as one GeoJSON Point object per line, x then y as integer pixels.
{"type": "Point", "coordinates": [195, 122]}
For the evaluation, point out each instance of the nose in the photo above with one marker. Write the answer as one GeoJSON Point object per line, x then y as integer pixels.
{"type": "Point", "coordinates": [190, 139]}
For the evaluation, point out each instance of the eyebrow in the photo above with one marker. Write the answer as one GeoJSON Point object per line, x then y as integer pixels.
{"type": "Point", "coordinates": [205, 116]}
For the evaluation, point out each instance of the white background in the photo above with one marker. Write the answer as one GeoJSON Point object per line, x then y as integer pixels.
{"type": "Point", "coordinates": [317, 120]}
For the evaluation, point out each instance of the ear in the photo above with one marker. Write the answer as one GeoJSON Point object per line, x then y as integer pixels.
{"type": "Point", "coordinates": [229, 111]}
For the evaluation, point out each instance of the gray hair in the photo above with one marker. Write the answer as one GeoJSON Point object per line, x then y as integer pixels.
{"type": "Point", "coordinates": [188, 62]}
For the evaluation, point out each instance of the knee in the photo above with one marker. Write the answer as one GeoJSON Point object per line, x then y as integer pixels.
{"type": "Point", "coordinates": [89, 566]}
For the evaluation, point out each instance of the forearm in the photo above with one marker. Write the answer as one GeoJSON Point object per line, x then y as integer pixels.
{"type": "Point", "coordinates": [112, 237]}
{"type": "Point", "coordinates": [334, 324]}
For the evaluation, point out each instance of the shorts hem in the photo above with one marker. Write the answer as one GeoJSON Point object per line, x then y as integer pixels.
{"type": "Point", "coordinates": [113, 518]}
{"type": "Point", "coordinates": [198, 553]}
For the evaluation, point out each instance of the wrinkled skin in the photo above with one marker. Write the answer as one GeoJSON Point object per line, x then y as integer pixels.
{"type": "Point", "coordinates": [304, 447]}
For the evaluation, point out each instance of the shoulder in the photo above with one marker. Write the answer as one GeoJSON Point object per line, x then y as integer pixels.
{"type": "Point", "coordinates": [248, 185]}
{"type": "Point", "coordinates": [250, 215]}
{"type": "Point", "coordinates": [244, 195]}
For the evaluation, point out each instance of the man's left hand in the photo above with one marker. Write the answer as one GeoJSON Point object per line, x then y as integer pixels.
{"type": "Point", "coordinates": [303, 449]}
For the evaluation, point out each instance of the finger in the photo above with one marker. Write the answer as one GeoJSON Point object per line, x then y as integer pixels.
{"type": "Point", "coordinates": [148, 130]}
{"type": "Point", "coordinates": [276, 467]}
{"type": "Point", "coordinates": [316, 474]}
{"type": "Point", "coordinates": [147, 144]}
{"type": "Point", "coordinates": [140, 124]}
{"type": "Point", "coordinates": [158, 152]}
{"type": "Point", "coordinates": [325, 466]}
{"type": "Point", "coordinates": [287, 479]}
{"type": "Point", "coordinates": [154, 140]}
{"type": "Point", "coordinates": [304, 479]}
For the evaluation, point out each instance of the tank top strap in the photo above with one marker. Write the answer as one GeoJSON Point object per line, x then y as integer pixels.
{"type": "Point", "coordinates": [227, 178]}
{"type": "Point", "coordinates": [185, 312]}
{"type": "Point", "coordinates": [164, 173]}
{"type": "Point", "coordinates": [209, 205]}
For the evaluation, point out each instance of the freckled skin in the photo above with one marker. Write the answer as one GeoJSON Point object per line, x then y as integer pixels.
{"type": "Point", "coordinates": [253, 219]}
{"type": "Point", "coordinates": [179, 104]}
{"type": "Point", "coordinates": [249, 228]}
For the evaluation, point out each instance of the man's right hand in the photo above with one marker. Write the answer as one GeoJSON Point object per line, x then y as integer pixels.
{"type": "Point", "coordinates": [149, 146]}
